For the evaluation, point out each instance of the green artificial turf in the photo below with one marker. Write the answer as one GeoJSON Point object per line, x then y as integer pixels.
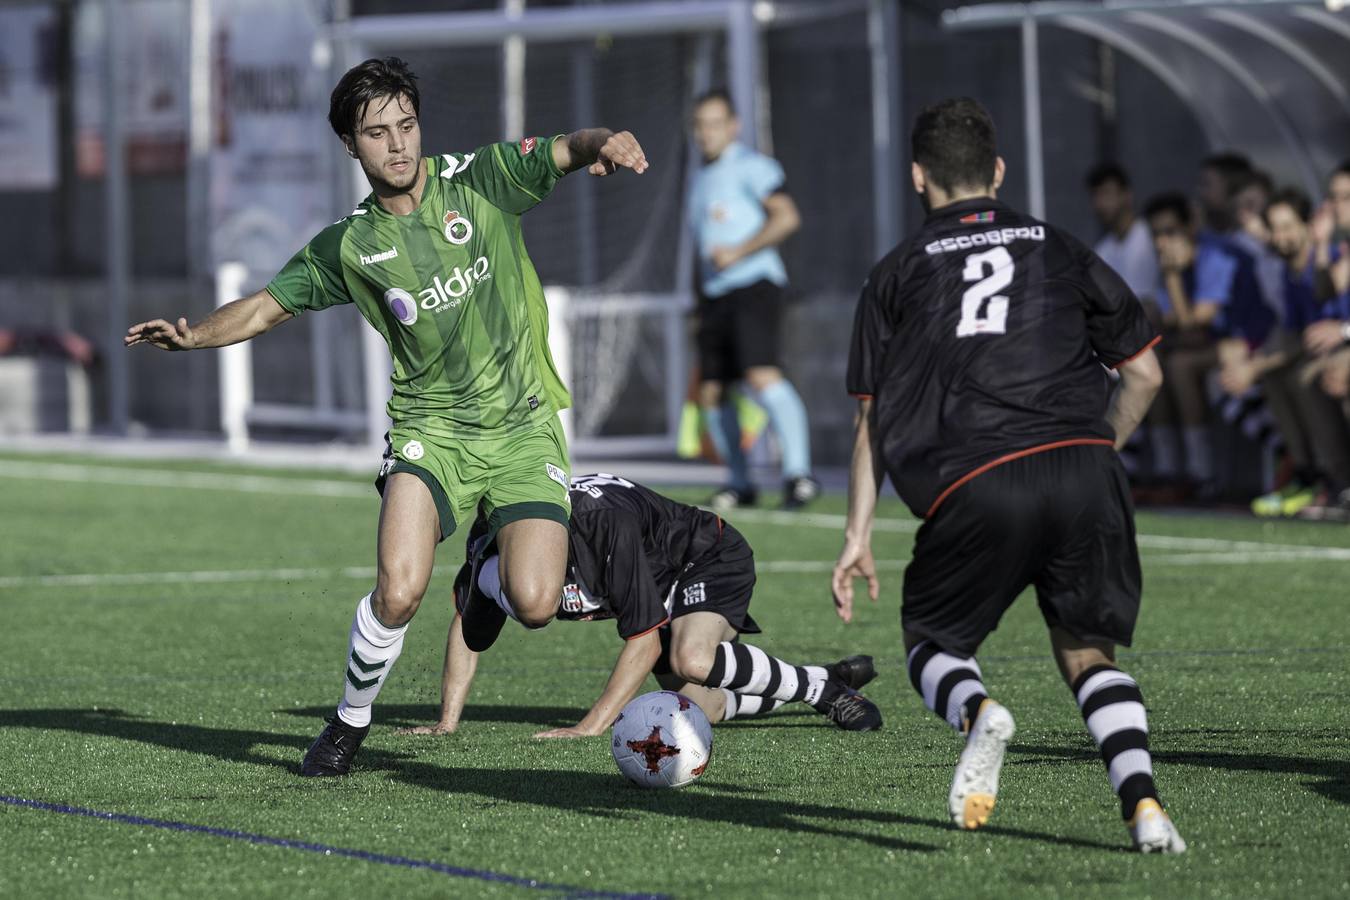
{"type": "Point", "coordinates": [190, 698]}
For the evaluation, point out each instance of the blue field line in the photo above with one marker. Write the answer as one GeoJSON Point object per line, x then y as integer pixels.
{"type": "Point", "coordinates": [364, 855]}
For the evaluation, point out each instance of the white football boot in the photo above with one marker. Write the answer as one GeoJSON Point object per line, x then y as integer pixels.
{"type": "Point", "coordinates": [975, 785]}
{"type": "Point", "coordinates": [1152, 831]}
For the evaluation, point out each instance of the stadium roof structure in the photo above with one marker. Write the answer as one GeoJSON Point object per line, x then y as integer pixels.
{"type": "Point", "coordinates": [1269, 76]}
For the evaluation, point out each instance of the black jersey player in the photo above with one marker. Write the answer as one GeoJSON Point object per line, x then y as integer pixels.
{"type": "Point", "coordinates": [677, 581]}
{"type": "Point", "coordinates": [981, 355]}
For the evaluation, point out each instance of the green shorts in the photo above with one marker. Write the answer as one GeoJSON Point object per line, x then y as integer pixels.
{"type": "Point", "coordinates": [520, 476]}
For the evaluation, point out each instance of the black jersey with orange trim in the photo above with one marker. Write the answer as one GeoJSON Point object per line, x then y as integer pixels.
{"type": "Point", "coordinates": [627, 545]}
{"type": "Point", "coordinates": [987, 335]}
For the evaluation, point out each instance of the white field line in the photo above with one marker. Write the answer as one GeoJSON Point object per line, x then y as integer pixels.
{"type": "Point", "coordinates": [763, 567]}
{"type": "Point", "coordinates": [209, 481]}
{"type": "Point", "coordinates": [1203, 551]}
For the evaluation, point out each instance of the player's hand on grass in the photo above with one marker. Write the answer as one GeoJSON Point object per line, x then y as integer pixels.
{"type": "Point", "coordinates": [163, 334]}
{"type": "Point", "coordinates": [621, 149]}
{"type": "Point", "coordinates": [438, 728]}
{"type": "Point", "coordinates": [854, 562]}
{"type": "Point", "coordinates": [572, 731]}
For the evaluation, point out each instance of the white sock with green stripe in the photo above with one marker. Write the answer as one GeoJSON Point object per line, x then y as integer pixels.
{"type": "Point", "coordinates": [371, 653]}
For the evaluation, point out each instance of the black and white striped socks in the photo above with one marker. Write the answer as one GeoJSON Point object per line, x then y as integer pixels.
{"type": "Point", "coordinates": [950, 686]}
{"type": "Point", "coordinates": [746, 669]}
{"type": "Point", "coordinates": [1113, 708]}
{"type": "Point", "coordinates": [743, 706]}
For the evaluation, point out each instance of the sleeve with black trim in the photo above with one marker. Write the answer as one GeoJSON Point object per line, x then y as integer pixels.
{"type": "Point", "coordinates": [1118, 328]}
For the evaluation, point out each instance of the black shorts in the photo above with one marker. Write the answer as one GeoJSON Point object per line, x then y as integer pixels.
{"type": "Point", "coordinates": [720, 581]}
{"type": "Point", "coordinates": [1061, 520]}
{"type": "Point", "coordinates": [739, 330]}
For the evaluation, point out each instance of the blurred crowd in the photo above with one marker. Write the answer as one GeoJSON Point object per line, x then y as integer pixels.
{"type": "Point", "coordinates": [1248, 283]}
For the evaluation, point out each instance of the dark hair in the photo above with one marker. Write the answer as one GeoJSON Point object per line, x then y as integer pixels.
{"type": "Point", "coordinates": [1101, 173]}
{"type": "Point", "coordinates": [1174, 202]}
{"type": "Point", "coordinates": [371, 80]}
{"type": "Point", "coordinates": [1254, 177]}
{"type": "Point", "coordinates": [1293, 198]}
{"type": "Point", "coordinates": [717, 93]}
{"type": "Point", "coordinates": [953, 142]}
{"type": "Point", "coordinates": [1230, 166]}
{"type": "Point", "coordinates": [1342, 169]}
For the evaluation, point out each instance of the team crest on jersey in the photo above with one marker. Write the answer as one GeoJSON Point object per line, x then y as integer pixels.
{"type": "Point", "coordinates": [458, 229]}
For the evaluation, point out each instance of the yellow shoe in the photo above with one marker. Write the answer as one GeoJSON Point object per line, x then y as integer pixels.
{"type": "Point", "coordinates": [975, 784]}
{"type": "Point", "coordinates": [1152, 831]}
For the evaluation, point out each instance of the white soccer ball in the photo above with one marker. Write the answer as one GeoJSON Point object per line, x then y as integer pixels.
{"type": "Point", "coordinates": [662, 740]}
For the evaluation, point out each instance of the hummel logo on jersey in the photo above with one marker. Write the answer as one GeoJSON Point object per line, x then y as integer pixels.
{"type": "Point", "coordinates": [379, 257]}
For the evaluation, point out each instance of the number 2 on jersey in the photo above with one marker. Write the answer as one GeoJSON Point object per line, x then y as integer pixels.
{"type": "Point", "coordinates": [992, 271]}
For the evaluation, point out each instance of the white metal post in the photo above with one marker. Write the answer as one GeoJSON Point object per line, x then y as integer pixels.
{"type": "Point", "coordinates": [1031, 107]}
{"type": "Point", "coordinates": [236, 364]}
{"type": "Point", "coordinates": [883, 37]}
{"type": "Point", "coordinates": [513, 77]}
{"type": "Point", "coordinates": [560, 346]}
{"type": "Point", "coordinates": [116, 219]}
{"type": "Point", "coordinates": [743, 66]}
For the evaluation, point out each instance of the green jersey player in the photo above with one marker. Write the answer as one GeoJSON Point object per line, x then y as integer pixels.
{"type": "Point", "coordinates": [435, 262]}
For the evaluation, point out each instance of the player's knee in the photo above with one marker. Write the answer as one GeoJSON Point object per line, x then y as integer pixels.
{"type": "Point", "coordinates": [690, 663]}
{"type": "Point", "coordinates": [533, 603]}
{"type": "Point", "coordinates": [395, 601]}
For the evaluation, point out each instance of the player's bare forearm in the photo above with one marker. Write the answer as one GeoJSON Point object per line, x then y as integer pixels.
{"type": "Point", "coordinates": [600, 151]}
{"type": "Point", "coordinates": [862, 480]}
{"type": "Point", "coordinates": [1140, 380]}
{"type": "Point", "coordinates": [236, 321]}
{"type": "Point", "coordinates": [456, 679]}
{"type": "Point", "coordinates": [632, 668]}
{"type": "Point", "coordinates": [781, 222]}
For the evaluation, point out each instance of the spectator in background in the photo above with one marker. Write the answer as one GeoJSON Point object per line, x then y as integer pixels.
{"type": "Point", "coordinates": [1209, 291]}
{"type": "Point", "coordinates": [1251, 196]}
{"type": "Point", "coordinates": [740, 211]}
{"type": "Point", "coordinates": [1125, 244]}
{"type": "Point", "coordinates": [1331, 248]}
{"type": "Point", "coordinates": [1221, 177]}
{"type": "Point", "coordinates": [1314, 428]}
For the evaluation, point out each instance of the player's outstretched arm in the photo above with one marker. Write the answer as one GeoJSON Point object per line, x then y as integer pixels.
{"type": "Point", "coordinates": [456, 679]}
{"type": "Point", "coordinates": [234, 322]}
{"type": "Point", "coordinates": [1140, 380]}
{"type": "Point", "coordinates": [599, 151]}
{"type": "Point", "coordinates": [635, 664]}
{"type": "Point", "coordinates": [855, 560]}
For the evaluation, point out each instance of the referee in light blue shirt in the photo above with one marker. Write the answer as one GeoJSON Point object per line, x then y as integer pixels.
{"type": "Point", "coordinates": [739, 210]}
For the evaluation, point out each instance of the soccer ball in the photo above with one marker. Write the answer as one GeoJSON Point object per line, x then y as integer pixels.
{"type": "Point", "coordinates": [662, 740]}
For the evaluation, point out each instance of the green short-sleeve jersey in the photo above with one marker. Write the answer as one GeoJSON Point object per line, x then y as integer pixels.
{"type": "Point", "coordinates": [451, 289]}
